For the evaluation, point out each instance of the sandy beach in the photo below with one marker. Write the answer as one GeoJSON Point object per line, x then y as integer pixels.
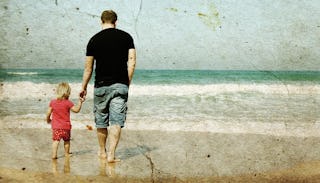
{"type": "Point", "coordinates": [210, 133]}
{"type": "Point", "coordinates": [161, 156]}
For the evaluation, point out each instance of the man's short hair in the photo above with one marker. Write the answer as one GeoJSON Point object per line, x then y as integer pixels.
{"type": "Point", "coordinates": [108, 16]}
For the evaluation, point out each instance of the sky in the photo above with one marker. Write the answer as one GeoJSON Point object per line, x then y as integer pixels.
{"type": "Point", "coordinates": [204, 34]}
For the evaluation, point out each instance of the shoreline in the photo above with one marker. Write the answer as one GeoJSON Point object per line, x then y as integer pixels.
{"type": "Point", "coordinates": [280, 128]}
{"type": "Point", "coordinates": [161, 156]}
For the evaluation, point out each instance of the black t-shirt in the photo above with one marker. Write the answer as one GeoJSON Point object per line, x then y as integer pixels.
{"type": "Point", "coordinates": [109, 48]}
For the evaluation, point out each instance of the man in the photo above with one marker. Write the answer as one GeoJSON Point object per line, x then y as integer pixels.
{"type": "Point", "coordinates": [115, 56]}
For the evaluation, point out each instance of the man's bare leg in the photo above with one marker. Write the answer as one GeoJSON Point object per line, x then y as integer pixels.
{"type": "Point", "coordinates": [102, 138]}
{"type": "Point", "coordinates": [114, 136]}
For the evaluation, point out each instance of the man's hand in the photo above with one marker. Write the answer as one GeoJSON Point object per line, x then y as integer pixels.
{"type": "Point", "coordinates": [83, 94]}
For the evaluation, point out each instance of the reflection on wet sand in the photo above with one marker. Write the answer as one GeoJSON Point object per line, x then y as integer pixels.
{"type": "Point", "coordinates": [66, 166]}
{"type": "Point", "coordinates": [54, 166]}
{"type": "Point", "coordinates": [107, 169]}
{"type": "Point", "coordinates": [160, 156]}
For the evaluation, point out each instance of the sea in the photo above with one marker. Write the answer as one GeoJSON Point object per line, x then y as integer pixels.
{"type": "Point", "coordinates": [220, 101]}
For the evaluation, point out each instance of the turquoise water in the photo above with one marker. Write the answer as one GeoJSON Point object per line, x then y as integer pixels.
{"type": "Point", "coordinates": [177, 96]}
{"type": "Point", "coordinates": [147, 77]}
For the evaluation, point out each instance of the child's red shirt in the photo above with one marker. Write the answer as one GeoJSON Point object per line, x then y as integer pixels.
{"type": "Point", "coordinates": [61, 114]}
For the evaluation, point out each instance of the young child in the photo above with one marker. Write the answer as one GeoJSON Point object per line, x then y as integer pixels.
{"type": "Point", "coordinates": [58, 115]}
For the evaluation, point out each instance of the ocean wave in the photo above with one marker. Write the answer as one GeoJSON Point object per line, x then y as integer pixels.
{"type": "Point", "coordinates": [214, 89]}
{"type": "Point", "coordinates": [22, 73]}
{"type": "Point", "coordinates": [20, 90]}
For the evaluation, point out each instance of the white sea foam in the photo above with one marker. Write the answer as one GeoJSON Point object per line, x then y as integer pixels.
{"type": "Point", "coordinates": [275, 110]}
{"type": "Point", "coordinates": [274, 128]}
{"type": "Point", "coordinates": [22, 73]}
{"type": "Point", "coordinates": [23, 90]}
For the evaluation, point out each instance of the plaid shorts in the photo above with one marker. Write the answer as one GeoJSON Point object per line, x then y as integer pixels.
{"type": "Point", "coordinates": [58, 134]}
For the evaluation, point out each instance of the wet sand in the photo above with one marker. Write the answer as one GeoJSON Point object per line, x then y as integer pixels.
{"type": "Point", "coordinates": [160, 156]}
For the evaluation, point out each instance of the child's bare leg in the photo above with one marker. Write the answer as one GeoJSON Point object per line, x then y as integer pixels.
{"type": "Point", "coordinates": [55, 145]}
{"type": "Point", "coordinates": [67, 148]}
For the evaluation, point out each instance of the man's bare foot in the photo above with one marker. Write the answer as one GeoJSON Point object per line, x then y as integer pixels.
{"type": "Point", "coordinates": [68, 154]}
{"type": "Point", "coordinates": [113, 160]}
{"type": "Point", "coordinates": [102, 154]}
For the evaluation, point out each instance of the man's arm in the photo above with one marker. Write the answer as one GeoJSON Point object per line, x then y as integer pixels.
{"type": "Point", "coordinates": [87, 73]}
{"type": "Point", "coordinates": [131, 63]}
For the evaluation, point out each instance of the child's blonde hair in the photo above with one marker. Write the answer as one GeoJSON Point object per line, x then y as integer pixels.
{"type": "Point", "coordinates": [63, 91]}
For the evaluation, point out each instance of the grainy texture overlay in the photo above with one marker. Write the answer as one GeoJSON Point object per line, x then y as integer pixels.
{"type": "Point", "coordinates": [225, 91]}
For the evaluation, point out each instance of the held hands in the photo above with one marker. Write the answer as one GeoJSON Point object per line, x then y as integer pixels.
{"type": "Point", "coordinates": [81, 99]}
{"type": "Point", "coordinates": [82, 95]}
